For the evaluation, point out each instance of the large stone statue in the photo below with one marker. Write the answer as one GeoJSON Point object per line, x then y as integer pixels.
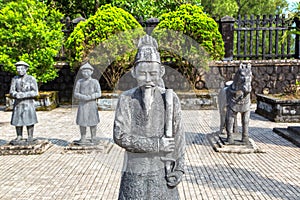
{"type": "Point", "coordinates": [235, 98]}
{"type": "Point", "coordinates": [23, 89]}
{"type": "Point", "coordinates": [148, 126]}
{"type": "Point", "coordinates": [87, 90]}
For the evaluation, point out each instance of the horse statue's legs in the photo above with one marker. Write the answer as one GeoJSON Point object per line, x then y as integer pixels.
{"type": "Point", "coordinates": [222, 105]}
{"type": "Point", "coordinates": [245, 127]}
{"type": "Point", "coordinates": [230, 120]}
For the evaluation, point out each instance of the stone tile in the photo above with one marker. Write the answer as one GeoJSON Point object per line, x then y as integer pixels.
{"type": "Point", "coordinates": [209, 175]}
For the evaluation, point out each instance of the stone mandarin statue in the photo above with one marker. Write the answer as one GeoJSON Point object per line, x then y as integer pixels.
{"type": "Point", "coordinates": [87, 90]}
{"type": "Point", "coordinates": [23, 90]}
{"type": "Point", "coordinates": [148, 126]}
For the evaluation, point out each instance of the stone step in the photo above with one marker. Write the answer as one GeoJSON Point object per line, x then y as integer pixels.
{"type": "Point", "coordinates": [292, 134]}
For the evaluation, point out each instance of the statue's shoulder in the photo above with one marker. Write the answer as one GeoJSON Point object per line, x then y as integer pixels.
{"type": "Point", "coordinates": [128, 93]}
{"type": "Point", "coordinates": [30, 78]}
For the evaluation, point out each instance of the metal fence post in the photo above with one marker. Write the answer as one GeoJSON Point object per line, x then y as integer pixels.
{"type": "Point", "coordinates": [226, 29]}
{"type": "Point", "coordinates": [297, 39]}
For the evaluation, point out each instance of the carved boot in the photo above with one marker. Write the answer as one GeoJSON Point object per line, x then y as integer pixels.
{"type": "Point", "coordinates": [83, 134]}
{"type": "Point", "coordinates": [245, 139]}
{"type": "Point", "coordinates": [93, 133]}
{"type": "Point", "coordinates": [19, 130]}
{"type": "Point", "coordinates": [230, 138]}
{"type": "Point", "coordinates": [30, 133]}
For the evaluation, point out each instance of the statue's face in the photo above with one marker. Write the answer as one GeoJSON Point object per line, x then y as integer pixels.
{"type": "Point", "coordinates": [86, 73]}
{"type": "Point", "coordinates": [148, 74]}
{"type": "Point", "coordinates": [21, 70]}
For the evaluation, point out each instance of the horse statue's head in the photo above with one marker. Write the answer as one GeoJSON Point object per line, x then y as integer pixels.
{"type": "Point", "coordinates": [242, 78]}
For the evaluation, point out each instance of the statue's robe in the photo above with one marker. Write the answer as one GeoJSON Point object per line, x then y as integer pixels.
{"type": "Point", "coordinates": [24, 110]}
{"type": "Point", "coordinates": [144, 176]}
{"type": "Point", "coordinates": [87, 113]}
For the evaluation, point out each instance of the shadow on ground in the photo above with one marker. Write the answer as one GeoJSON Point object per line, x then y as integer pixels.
{"type": "Point", "coordinates": [3, 142]}
{"type": "Point", "coordinates": [241, 179]}
{"type": "Point", "coordinates": [58, 142]}
{"type": "Point", "coordinates": [196, 138]}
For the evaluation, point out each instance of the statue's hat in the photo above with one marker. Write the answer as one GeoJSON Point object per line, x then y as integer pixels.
{"type": "Point", "coordinates": [86, 66]}
{"type": "Point", "coordinates": [147, 50]}
{"type": "Point", "coordinates": [22, 63]}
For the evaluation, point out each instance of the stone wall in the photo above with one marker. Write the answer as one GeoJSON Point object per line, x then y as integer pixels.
{"type": "Point", "coordinates": [268, 75]}
{"type": "Point", "coordinates": [271, 75]}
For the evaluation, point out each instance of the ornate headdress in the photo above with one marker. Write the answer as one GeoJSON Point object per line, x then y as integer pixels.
{"type": "Point", "coordinates": [147, 50]}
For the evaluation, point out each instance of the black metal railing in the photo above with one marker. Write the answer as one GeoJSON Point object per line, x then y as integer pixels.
{"type": "Point", "coordinates": [250, 37]}
{"type": "Point", "coordinates": [259, 38]}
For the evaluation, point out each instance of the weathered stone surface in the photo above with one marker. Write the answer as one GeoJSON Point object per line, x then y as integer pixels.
{"type": "Point", "coordinates": [220, 144]}
{"type": "Point", "coordinates": [233, 99]}
{"type": "Point", "coordinates": [101, 146]}
{"type": "Point", "coordinates": [25, 148]}
{"type": "Point", "coordinates": [278, 110]}
{"type": "Point", "coordinates": [291, 133]}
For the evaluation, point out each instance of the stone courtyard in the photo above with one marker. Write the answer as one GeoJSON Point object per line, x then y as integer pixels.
{"type": "Point", "coordinates": [57, 174]}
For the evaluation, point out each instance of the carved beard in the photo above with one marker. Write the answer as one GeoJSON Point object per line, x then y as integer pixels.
{"type": "Point", "coordinates": [147, 98]}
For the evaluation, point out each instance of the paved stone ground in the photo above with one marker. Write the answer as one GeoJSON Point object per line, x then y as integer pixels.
{"type": "Point", "coordinates": [209, 175]}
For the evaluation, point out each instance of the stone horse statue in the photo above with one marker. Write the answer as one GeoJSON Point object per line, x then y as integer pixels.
{"type": "Point", "coordinates": [235, 98]}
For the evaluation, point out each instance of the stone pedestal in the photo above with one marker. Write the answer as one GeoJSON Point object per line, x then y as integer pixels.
{"type": "Point", "coordinates": [278, 110]}
{"type": "Point", "coordinates": [220, 144]}
{"type": "Point", "coordinates": [291, 133]}
{"type": "Point", "coordinates": [23, 147]}
{"type": "Point", "coordinates": [101, 146]}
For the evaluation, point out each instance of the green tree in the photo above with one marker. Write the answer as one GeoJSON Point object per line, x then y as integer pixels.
{"type": "Point", "coordinates": [76, 8]}
{"type": "Point", "coordinates": [108, 40]}
{"type": "Point", "coordinates": [148, 9]}
{"type": "Point", "coordinates": [190, 38]}
{"type": "Point", "coordinates": [31, 32]}
{"type": "Point", "coordinates": [234, 8]}
{"type": "Point", "coordinates": [3, 2]}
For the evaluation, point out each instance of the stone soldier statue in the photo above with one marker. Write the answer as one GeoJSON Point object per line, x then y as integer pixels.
{"type": "Point", "coordinates": [87, 90]}
{"type": "Point", "coordinates": [23, 89]}
{"type": "Point", "coordinates": [148, 126]}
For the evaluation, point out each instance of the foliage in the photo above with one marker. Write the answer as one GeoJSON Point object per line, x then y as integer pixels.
{"type": "Point", "coordinates": [234, 8]}
{"type": "Point", "coordinates": [3, 2]}
{"type": "Point", "coordinates": [31, 32]}
{"type": "Point", "coordinates": [292, 88]}
{"type": "Point", "coordinates": [193, 40]}
{"type": "Point", "coordinates": [108, 40]}
{"type": "Point", "coordinates": [148, 9]}
{"type": "Point", "coordinates": [76, 8]}
{"type": "Point", "coordinates": [192, 21]}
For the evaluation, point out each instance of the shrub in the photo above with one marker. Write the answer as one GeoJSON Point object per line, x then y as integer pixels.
{"type": "Point", "coordinates": [148, 8]}
{"type": "Point", "coordinates": [107, 39]}
{"type": "Point", "coordinates": [31, 32]}
{"type": "Point", "coordinates": [189, 39]}
{"type": "Point", "coordinates": [193, 22]}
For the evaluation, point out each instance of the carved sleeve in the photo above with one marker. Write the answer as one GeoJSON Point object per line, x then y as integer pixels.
{"type": "Point", "coordinates": [32, 91]}
{"type": "Point", "coordinates": [124, 136]}
{"type": "Point", "coordinates": [97, 90]}
{"type": "Point", "coordinates": [77, 93]}
{"type": "Point", "coordinates": [12, 90]}
{"type": "Point", "coordinates": [179, 136]}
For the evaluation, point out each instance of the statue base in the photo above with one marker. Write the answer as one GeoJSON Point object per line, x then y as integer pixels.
{"type": "Point", "coordinates": [24, 147]}
{"type": "Point", "coordinates": [98, 146]}
{"type": "Point", "coordinates": [220, 144]}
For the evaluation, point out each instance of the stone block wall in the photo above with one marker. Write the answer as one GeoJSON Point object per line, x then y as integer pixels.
{"type": "Point", "coordinates": [267, 75]}
{"type": "Point", "coordinates": [271, 75]}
